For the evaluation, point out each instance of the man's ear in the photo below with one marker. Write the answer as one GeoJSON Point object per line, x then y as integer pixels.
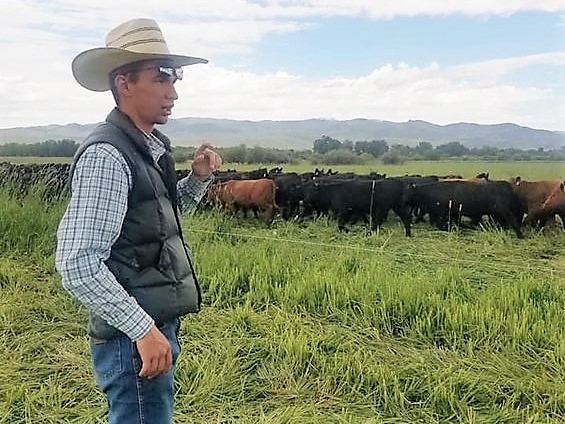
{"type": "Point", "coordinates": [122, 85]}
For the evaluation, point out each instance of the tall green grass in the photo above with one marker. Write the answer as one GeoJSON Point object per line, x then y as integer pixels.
{"type": "Point", "coordinates": [28, 223]}
{"type": "Point", "coordinates": [303, 324]}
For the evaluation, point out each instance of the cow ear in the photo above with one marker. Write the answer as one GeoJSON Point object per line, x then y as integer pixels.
{"type": "Point", "coordinates": [562, 185]}
{"type": "Point", "coordinates": [518, 180]}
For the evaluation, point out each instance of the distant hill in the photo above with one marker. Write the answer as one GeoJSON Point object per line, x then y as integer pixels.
{"type": "Point", "coordinates": [300, 134]}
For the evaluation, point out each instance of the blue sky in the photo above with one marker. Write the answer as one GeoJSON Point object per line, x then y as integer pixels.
{"type": "Point", "coordinates": [355, 46]}
{"type": "Point", "coordinates": [442, 61]}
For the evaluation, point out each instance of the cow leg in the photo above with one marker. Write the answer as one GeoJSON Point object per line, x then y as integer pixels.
{"type": "Point", "coordinates": [343, 218]}
{"type": "Point", "coordinates": [516, 225]}
{"type": "Point", "coordinates": [441, 221]}
{"type": "Point", "coordinates": [269, 214]}
{"type": "Point", "coordinates": [419, 212]}
{"type": "Point", "coordinates": [507, 219]}
{"type": "Point", "coordinates": [547, 221]}
{"type": "Point", "coordinates": [286, 211]}
{"type": "Point", "coordinates": [405, 216]}
{"type": "Point", "coordinates": [562, 216]}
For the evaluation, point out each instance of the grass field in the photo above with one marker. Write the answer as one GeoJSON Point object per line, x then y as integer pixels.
{"type": "Point", "coordinates": [26, 160]}
{"type": "Point", "coordinates": [302, 324]}
{"type": "Point", "coordinates": [530, 170]}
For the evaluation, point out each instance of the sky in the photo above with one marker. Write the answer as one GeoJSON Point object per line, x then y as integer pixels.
{"type": "Point", "coordinates": [442, 61]}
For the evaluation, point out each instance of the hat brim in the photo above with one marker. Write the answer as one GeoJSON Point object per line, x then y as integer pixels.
{"type": "Point", "coordinates": [92, 68]}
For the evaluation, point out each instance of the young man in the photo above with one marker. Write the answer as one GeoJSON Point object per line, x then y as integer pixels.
{"type": "Point", "coordinates": [121, 250]}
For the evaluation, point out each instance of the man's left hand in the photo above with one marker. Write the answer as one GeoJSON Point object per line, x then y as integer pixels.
{"type": "Point", "coordinates": [205, 161]}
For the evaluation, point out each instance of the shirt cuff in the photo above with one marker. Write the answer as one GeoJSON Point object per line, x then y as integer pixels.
{"type": "Point", "coordinates": [137, 325]}
{"type": "Point", "coordinates": [197, 183]}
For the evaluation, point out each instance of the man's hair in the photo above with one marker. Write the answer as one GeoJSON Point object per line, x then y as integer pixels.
{"type": "Point", "coordinates": [130, 71]}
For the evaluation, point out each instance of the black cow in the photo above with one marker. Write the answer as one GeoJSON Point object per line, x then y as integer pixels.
{"type": "Point", "coordinates": [351, 200]}
{"type": "Point", "coordinates": [448, 201]}
{"type": "Point", "coordinates": [289, 194]}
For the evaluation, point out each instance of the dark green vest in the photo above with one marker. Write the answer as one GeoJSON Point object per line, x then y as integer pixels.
{"type": "Point", "coordinates": [150, 258]}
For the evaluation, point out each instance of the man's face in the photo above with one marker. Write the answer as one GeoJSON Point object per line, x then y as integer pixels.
{"type": "Point", "coordinates": [153, 94]}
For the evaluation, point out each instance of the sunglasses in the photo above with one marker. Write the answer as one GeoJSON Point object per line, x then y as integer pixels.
{"type": "Point", "coordinates": [169, 71]}
{"type": "Point", "coordinates": [164, 71]}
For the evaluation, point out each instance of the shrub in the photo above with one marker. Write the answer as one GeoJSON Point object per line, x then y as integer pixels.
{"type": "Point", "coordinates": [393, 158]}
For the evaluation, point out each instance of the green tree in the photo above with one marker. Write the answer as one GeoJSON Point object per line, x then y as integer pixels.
{"type": "Point", "coordinates": [347, 145]}
{"type": "Point", "coordinates": [236, 154]}
{"type": "Point", "coordinates": [424, 147]}
{"type": "Point", "coordinates": [393, 158]}
{"type": "Point", "coordinates": [326, 144]}
{"type": "Point", "coordinates": [338, 157]}
{"type": "Point", "coordinates": [376, 148]}
{"type": "Point", "coordinates": [452, 149]}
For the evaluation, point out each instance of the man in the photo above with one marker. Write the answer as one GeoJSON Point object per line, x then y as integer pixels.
{"type": "Point", "coordinates": [121, 250]}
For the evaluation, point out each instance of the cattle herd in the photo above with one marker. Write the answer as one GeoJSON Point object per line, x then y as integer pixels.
{"type": "Point", "coordinates": [445, 201]}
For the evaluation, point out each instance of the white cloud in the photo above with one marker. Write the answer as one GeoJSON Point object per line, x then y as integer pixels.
{"type": "Point", "coordinates": [500, 67]}
{"type": "Point", "coordinates": [476, 92]}
{"type": "Point", "coordinates": [39, 38]}
{"type": "Point", "coordinates": [221, 37]}
{"type": "Point", "coordinates": [397, 93]}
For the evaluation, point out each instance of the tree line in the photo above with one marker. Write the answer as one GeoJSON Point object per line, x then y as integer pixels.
{"type": "Point", "coordinates": [333, 151]}
{"type": "Point", "coordinates": [325, 150]}
{"type": "Point", "coordinates": [48, 148]}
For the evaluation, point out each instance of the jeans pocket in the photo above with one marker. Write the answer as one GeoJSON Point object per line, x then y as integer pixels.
{"type": "Point", "coordinates": [106, 358]}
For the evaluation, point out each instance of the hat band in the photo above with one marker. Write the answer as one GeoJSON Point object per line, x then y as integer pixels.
{"type": "Point", "coordinates": [137, 42]}
{"type": "Point", "coordinates": [133, 31]}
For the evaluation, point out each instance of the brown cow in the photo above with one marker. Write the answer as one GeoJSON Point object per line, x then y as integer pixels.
{"type": "Point", "coordinates": [534, 195]}
{"type": "Point", "coordinates": [258, 195]}
{"type": "Point", "coordinates": [553, 205]}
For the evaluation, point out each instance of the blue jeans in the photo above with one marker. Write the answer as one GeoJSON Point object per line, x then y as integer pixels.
{"type": "Point", "coordinates": [132, 399]}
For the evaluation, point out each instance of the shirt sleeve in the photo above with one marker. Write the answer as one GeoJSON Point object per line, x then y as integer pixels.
{"type": "Point", "coordinates": [191, 191]}
{"type": "Point", "coordinates": [90, 226]}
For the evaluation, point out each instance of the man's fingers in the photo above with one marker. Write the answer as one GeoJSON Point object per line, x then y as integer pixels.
{"type": "Point", "coordinates": [157, 366]}
{"type": "Point", "coordinates": [213, 160]}
{"type": "Point", "coordinates": [147, 369]}
{"type": "Point", "coordinates": [155, 353]}
{"type": "Point", "coordinates": [202, 147]}
{"type": "Point", "coordinates": [168, 361]}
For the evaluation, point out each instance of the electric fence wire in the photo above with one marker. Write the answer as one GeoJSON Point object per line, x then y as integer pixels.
{"type": "Point", "coordinates": [494, 264]}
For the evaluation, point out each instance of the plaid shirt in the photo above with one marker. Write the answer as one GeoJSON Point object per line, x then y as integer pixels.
{"type": "Point", "coordinates": [91, 225]}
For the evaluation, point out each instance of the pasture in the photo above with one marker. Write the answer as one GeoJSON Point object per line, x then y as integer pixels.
{"type": "Point", "coordinates": [531, 170]}
{"type": "Point", "coordinates": [303, 324]}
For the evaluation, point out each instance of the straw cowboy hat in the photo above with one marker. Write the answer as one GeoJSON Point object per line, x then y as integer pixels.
{"type": "Point", "coordinates": [134, 40]}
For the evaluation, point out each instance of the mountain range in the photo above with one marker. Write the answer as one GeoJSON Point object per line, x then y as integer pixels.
{"type": "Point", "coordinates": [300, 135]}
